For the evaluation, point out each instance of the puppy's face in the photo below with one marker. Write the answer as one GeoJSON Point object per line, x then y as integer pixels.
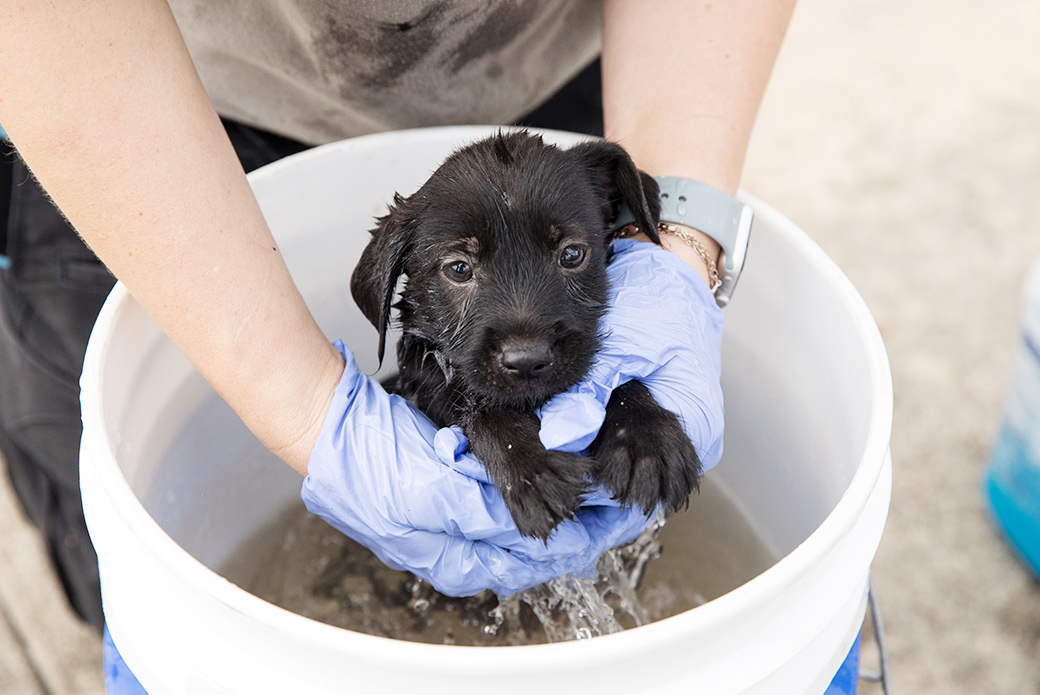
{"type": "Point", "coordinates": [504, 249]}
{"type": "Point", "coordinates": [507, 276]}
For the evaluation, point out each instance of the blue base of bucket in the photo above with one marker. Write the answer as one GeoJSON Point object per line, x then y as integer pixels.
{"type": "Point", "coordinates": [1012, 488]}
{"type": "Point", "coordinates": [846, 680]}
{"type": "Point", "coordinates": [119, 680]}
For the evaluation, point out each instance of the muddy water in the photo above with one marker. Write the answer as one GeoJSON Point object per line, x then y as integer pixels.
{"type": "Point", "coordinates": [303, 565]}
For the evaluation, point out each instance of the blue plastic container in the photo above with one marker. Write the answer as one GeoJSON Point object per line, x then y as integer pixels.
{"type": "Point", "coordinates": [1012, 480]}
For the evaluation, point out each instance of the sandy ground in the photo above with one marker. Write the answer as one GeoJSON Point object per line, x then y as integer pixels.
{"type": "Point", "coordinates": [905, 138]}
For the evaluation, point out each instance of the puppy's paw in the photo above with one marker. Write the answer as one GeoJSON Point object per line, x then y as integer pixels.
{"type": "Point", "coordinates": [642, 453]}
{"type": "Point", "coordinates": [544, 492]}
{"type": "Point", "coordinates": [541, 488]}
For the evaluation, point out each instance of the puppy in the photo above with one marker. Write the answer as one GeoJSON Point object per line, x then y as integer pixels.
{"type": "Point", "coordinates": [504, 250]}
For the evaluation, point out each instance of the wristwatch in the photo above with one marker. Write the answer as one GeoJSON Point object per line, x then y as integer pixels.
{"type": "Point", "coordinates": [708, 210]}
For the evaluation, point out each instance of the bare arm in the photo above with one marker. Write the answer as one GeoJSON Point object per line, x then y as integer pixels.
{"type": "Point", "coordinates": [105, 106]}
{"type": "Point", "coordinates": [682, 83]}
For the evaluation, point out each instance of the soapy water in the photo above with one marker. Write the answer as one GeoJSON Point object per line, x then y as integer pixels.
{"type": "Point", "coordinates": [303, 565]}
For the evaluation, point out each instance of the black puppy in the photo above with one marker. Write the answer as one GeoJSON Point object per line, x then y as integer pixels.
{"type": "Point", "coordinates": [505, 250]}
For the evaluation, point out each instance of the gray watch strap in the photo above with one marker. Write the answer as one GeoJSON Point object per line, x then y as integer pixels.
{"type": "Point", "coordinates": [709, 210]}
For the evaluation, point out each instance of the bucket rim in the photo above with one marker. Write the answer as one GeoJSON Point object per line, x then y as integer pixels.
{"type": "Point", "coordinates": [783, 573]}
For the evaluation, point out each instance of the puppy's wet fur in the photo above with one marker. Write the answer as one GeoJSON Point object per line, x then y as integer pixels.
{"type": "Point", "coordinates": [504, 250]}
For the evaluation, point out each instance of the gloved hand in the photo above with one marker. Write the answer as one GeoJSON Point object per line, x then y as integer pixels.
{"type": "Point", "coordinates": [384, 475]}
{"type": "Point", "coordinates": [663, 328]}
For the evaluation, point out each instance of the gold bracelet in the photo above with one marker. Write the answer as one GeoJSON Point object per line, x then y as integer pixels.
{"type": "Point", "coordinates": [631, 230]}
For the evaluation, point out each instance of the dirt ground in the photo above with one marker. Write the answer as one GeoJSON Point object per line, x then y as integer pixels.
{"type": "Point", "coordinates": [905, 138]}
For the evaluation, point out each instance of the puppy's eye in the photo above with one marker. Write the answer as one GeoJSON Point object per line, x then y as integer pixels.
{"type": "Point", "coordinates": [572, 256]}
{"type": "Point", "coordinates": [458, 271]}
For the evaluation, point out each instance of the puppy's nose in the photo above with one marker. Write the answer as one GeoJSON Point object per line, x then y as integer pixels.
{"type": "Point", "coordinates": [526, 358]}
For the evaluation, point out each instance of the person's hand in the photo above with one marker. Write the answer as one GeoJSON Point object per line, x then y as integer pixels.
{"type": "Point", "coordinates": [384, 475]}
{"type": "Point", "coordinates": [663, 328]}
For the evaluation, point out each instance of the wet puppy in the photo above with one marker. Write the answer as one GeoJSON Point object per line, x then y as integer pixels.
{"type": "Point", "coordinates": [504, 250]}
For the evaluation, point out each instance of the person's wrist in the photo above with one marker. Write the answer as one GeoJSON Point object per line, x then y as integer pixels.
{"type": "Point", "coordinates": [302, 434]}
{"type": "Point", "coordinates": [696, 248]}
{"type": "Point", "coordinates": [689, 253]}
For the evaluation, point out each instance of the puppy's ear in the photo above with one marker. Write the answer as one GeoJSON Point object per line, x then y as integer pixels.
{"type": "Point", "coordinates": [381, 264]}
{"type": "Point", "coordinates": [621, 182]}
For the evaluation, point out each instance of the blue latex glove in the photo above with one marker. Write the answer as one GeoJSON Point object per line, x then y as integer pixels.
{"type": "Point", "coordinates": [663, 328]}
{"type": "Point", "coordinates": [384, 475]}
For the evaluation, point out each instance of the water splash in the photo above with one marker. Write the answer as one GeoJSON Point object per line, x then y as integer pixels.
{"type": "Point", "coordinates": [563, 609]}
{"type": "Point", "coordinates": [573, 607]}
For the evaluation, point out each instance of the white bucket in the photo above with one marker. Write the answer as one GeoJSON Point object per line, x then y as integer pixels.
{"type": "Point", "coordinates": [173, 483]}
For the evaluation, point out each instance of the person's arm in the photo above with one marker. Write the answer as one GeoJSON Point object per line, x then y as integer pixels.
{"type": "Point", "coordinates": [103, 102]}
{"type": "Point", "coordinates": [682, 83]}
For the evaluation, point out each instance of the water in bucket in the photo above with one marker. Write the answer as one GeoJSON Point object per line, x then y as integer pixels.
{"type": "Point", "coordinates": [301, 564]}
